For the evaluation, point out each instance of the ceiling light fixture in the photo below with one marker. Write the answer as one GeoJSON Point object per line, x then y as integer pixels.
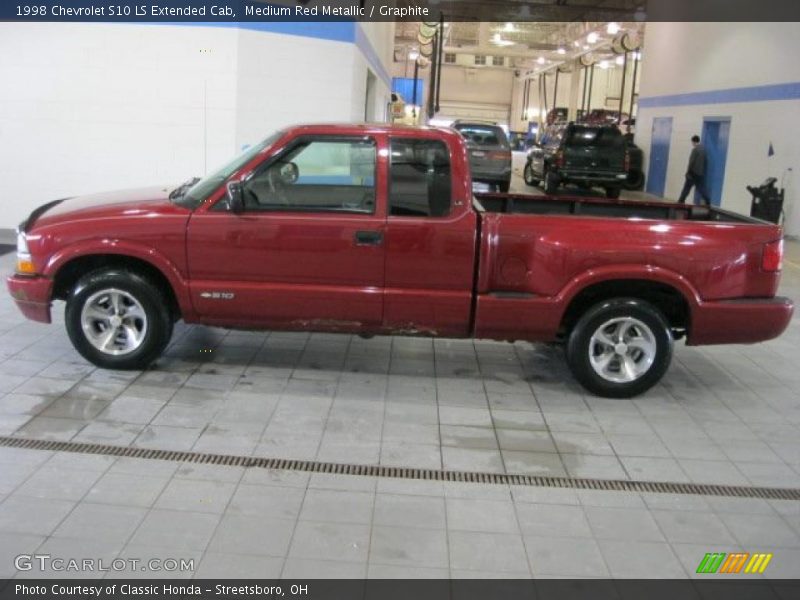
{"type": "Point", "coordinates": [592, 38]}
{"type": "Point", "coordinates": [509, 27]}
{"type": "Point", "coordinates": [620, 60]}
{"type": "Point", "coordinates": [561, 50]}
{"type": "Point", "coordinates": [413, 55]}
{"type": "Point", "coordinates": [613, 28]}
{"type": "Point", "coordinates": [540, 60]}
{"type": "Point", "coordinates": [603, 64]}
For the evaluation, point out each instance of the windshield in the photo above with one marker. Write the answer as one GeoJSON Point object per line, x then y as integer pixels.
{"type": "Point", "coordinates": [201, 189]}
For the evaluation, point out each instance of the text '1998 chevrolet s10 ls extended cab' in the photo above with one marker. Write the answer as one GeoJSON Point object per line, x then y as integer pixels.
{"type": "Point", "coordinates": [375, 230]}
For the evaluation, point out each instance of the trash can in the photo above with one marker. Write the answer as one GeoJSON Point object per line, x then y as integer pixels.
{"type": "Point", "coordinates": [767, 203]}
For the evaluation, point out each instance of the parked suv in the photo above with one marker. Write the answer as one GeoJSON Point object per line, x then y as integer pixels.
{"type": "Point", "coordinates": [489, 152]}
{"type": "Point", "coordinates": [586, 155]}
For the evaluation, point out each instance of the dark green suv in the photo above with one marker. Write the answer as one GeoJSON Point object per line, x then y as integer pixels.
{"type": "Point", "coordinates": [582, 154]}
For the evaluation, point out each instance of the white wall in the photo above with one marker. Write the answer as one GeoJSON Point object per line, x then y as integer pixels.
{"type": "Point", "coordinates": [375, 44]}
{"type": "Point", "coordinates": [282, 80]}
{"type": "Point", "coordinates": [87, 107]}
{"type": "Point", "coordinates": [682, 58]}
{"type": "Point", "coordinates": [477, 92]}
{"type": "Point", "coordinates": [92, 107]}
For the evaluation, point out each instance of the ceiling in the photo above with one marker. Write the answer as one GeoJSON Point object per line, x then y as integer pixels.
{"type": "Point", "coordinates": [537, 46]}
{"type": "Point", "coordinates": [536, 10]}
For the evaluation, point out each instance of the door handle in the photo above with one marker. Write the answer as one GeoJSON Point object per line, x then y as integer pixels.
{"type": "Point", "coordinates": [368, 238]}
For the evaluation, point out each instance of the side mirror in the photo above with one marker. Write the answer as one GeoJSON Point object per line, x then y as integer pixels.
{"type": "Point", "coordinates": [235, 197]}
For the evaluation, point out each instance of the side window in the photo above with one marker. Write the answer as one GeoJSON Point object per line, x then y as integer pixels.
{"type": "Point", "coordinates": [317, 175]}
{"type": "Point", "coordinates": [420, 184]}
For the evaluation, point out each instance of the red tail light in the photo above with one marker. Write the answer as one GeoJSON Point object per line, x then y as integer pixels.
{"type": "Point", "coordinates": [772, 257]}
{"type": "Point", "coordinates": [627, 162]}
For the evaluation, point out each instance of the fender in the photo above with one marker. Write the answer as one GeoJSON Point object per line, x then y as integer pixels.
{"type": "Point", "coordinates": [165, 266]}
{"type": "Point", "coordinates": [628, 271]}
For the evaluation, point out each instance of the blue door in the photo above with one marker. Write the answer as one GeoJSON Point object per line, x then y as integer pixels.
{"type": "Point", "coordinates": [659, 155]}
{"type": "Point", "coordinates": [716, 131]}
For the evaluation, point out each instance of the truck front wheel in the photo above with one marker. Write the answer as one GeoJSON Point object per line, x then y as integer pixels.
{"type": "Point", "coordinates": [527, 175]}
{"type": "Point", "coordinates": [620, 348]}
{"type": "Point", "coordinates": [117, 319]}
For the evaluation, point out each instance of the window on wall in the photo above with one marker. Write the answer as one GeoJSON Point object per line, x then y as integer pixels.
{"type": "Point", "coordinates": [449, 58]}
{"type": "Point", "coordinates": [480, 59]}
{"type": "Point", "coordinates": [419, 181]}
{"type": "Point", "coordinates": [498, 61]}
{"type": "Point", "coordinates": [317, 174]}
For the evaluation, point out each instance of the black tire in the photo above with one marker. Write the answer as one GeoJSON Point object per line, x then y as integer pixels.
{"type": "Point", "coordinates": [551, 182]}
{"type": "Point", "coordinates": [613, 192]}
{"type": "Point", "coordinates": [581, 350]}
{"type": "Point", "coordinates": [504, 186]}
{"type": "Point", "coordinates": [635, 180]}
{"type": "Point", "coordinates": [156, 334]}
{"type": "Point", "coordinates": [527, 175]}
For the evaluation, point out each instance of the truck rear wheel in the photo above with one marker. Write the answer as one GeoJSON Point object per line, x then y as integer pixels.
{"type": "Point", "coordinates": [550, 182]}
{"type": "Point", "coordinates": [527, 175]}
{"type": "Point", "coordinates": [117, 319]}
{"type": "Point", "coordinates": [620, 348]}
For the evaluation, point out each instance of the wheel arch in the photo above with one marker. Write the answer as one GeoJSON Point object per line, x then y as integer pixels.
{"type": "Point", "coordinates": [68, 269]}
{"type": "Point", "coordinates": [676, 302]}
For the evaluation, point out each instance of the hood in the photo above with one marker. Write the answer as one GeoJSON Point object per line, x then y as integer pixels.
{"type": "Point", "coordinates": [139, 202]}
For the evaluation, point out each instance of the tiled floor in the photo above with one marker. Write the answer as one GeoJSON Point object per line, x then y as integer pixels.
{"type": "Point", "coordinates": [721, 415]}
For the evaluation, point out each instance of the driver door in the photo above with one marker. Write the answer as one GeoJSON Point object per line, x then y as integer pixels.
{"type": "Point", "coordinates": [307, 252]}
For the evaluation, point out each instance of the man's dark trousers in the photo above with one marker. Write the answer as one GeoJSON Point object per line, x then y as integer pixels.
{"type": "Point", "coordinates": [698, 181]}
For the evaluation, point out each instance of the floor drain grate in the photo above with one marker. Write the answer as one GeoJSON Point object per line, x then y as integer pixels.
{"type": "Point", "coordinates": [310, 466]}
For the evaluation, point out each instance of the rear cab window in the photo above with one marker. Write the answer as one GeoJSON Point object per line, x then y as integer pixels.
{"type": "Point", "coordinates": [419, 178]}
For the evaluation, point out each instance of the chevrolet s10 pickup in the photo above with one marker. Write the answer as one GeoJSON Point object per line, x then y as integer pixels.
{"type": "Point", "coordinates": [376, 230]}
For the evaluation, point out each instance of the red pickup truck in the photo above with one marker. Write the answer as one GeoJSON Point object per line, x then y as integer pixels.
{"type": "Point", "coordinates": [375, 230]}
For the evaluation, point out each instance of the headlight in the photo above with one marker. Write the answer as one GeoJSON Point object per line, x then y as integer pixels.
{"type": "Point", "coordinates": [24, 262]}
{"type": "Point", "coordinates": [22, 243]}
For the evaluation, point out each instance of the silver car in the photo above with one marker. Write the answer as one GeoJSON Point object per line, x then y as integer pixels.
{"type": "Point", "coordinates": [489, 152]}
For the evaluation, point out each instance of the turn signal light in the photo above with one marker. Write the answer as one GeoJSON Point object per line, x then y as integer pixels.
{"type": "Point", "coordinates": [772, 257]}
{"type": "Point", "coordinates": [25, 266]}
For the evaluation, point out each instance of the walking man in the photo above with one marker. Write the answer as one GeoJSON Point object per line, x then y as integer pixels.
{"type": "Point", "coordinates": [696, 172]}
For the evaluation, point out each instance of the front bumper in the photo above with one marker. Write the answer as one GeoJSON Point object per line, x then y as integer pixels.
{"type": "Point", "coordinates": [32, 295]}
{"type": "Point", "coordinates": [742, 321]}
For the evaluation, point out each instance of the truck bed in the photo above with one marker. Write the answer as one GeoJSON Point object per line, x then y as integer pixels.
{"type": "Point", "coordinates": [602, 207]}
{"type": "Point", "coordinates": [535, 251]}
